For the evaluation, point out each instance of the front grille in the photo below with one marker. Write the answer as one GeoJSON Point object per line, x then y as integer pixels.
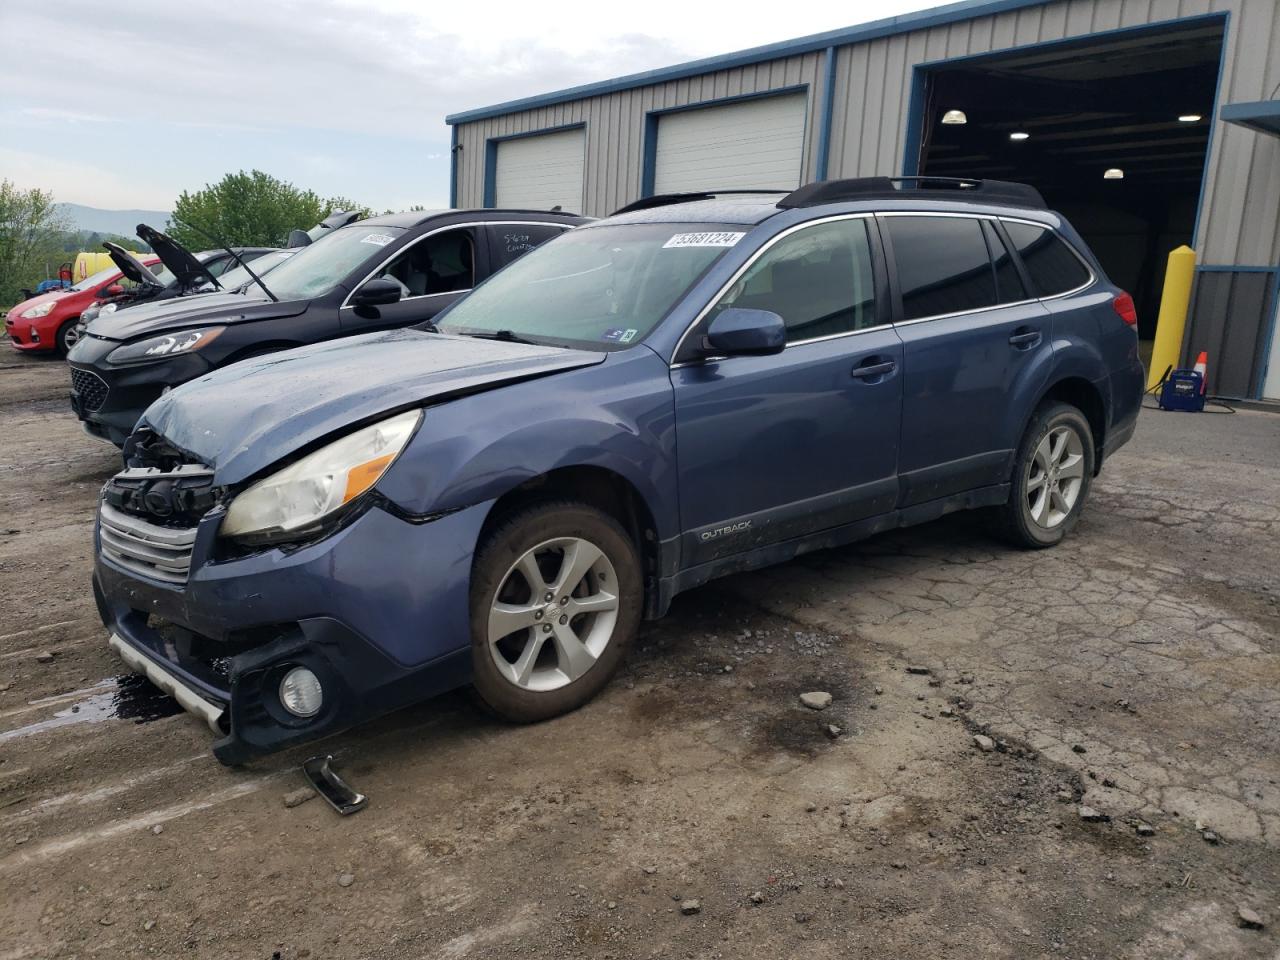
{"type": "Point", "coordinates": [89, 387]}
{"type": "Point", "coordinates": [161, 553]}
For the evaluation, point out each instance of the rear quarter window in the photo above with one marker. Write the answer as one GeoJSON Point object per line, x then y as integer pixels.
{"type": "Point", "coordinates": [1052, 265]}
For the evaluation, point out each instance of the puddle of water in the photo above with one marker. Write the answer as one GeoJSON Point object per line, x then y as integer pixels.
{"type": "Point", "coordinates": [133, 697]}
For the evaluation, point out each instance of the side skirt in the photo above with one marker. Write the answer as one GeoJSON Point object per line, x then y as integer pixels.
{"type": "Point", "coordinates": [775, 553]}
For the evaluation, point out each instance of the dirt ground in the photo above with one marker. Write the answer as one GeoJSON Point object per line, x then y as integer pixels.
{"type": "Point", "coordinates": [1135, 670]}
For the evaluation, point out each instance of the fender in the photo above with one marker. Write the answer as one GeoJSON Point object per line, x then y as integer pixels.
{"type": "Point", "coordinates": [618, 415]}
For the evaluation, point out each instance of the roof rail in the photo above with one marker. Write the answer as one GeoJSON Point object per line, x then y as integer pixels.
{"type": "Point", "coordinates": [929, 188]}
{"type": "Point", "coordinates": [666, 199]}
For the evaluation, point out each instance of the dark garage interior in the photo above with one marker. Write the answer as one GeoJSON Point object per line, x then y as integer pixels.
{"type": "Point", "coordinates": [1062, 116]}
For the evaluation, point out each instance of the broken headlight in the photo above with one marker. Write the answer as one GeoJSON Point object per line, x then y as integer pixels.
{"type": "Point", "coordinates": [296, 499]}
{"type": "Point", "coordinates": [160, 348]}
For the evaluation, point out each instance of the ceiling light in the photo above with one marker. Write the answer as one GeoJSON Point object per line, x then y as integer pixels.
{"type": "Point", "coordinates": [1189, 118]}
{"type": "Point", "coordinates": [1113, 173]}
{"type": "Point", "coordinates": [954, 117]}
{"type": "Point", "coordinates": [1019, 135]}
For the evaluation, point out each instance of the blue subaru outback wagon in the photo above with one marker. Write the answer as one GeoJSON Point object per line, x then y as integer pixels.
{"type": "Point", "coordinates": [697, 385]}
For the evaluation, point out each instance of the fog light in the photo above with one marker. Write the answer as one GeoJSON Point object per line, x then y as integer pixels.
{"type": "Point", "coordinates": [300, 692]}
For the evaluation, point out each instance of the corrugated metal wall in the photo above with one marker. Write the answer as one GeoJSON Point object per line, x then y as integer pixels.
{"type": "Point", "coordinates": [616, 122]}
{"type": "Point", "coordinates": [872, 99]}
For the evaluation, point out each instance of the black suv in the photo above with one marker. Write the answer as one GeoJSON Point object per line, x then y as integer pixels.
{"type": "Point", "coordinates": [385, 272]}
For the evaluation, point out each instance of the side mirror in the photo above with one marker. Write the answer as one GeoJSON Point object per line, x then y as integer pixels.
{"type": "Point", "coordinates": [740, 332]}
{"type": "Point", "coordinates": [112, 291]}
{"type": "Point", "coordinates": [378, 292]}
{"type": "Point", "coordinates": [298, 238]}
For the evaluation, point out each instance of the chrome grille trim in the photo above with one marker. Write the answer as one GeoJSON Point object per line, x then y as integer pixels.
{"type": "Point", "coordinates": [161, 553]}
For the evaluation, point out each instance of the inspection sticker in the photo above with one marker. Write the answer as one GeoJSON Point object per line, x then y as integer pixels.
{"type": "Point", "coordinates": [378, 239]}
{"type": "Point", "coordinates": [703, 240]}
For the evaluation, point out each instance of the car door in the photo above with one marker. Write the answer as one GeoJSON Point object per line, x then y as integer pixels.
{"type": "Point", "coordinates": [973, 340]}
{"type": "Point", "coordinates": [776, 447]}
{"type": "Point", "coordinates": [433, 271]}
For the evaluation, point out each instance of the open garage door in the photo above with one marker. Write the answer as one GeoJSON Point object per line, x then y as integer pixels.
{"type": "Point", "coordinates": [754, 143]}
{"type": "Point", "coordinates": [541, 172]}
{"type": "Point", "coordinates": [1113, 131]}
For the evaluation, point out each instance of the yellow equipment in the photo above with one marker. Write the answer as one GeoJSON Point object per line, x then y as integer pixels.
{"type": "Point", "coordinates": [1174, 302]}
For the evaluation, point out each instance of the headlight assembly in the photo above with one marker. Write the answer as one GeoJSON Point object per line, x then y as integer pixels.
{"type": "Point", "coordinates": [36, 313]}
{"type": "Point", "coordinates": [294, 500]}
{"type": "Point", "coordinates": [159, 348]}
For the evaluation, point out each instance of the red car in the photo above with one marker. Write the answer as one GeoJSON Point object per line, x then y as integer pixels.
{"type": "Point", "coordinates": [47, 322]}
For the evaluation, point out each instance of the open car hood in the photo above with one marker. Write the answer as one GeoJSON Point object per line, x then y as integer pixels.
{"type": "Point", "coordinates": [250, 415]}
{"type": "Point", "coordinates": [180, 261]}
{"type": "Point", "coordinates": [131, 266]}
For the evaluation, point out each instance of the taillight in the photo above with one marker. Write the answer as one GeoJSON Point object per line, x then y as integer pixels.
{"type": "Point", "coordinates": [1125, 310]}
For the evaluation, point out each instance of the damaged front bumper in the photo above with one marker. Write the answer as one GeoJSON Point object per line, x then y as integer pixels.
{"type": "Point", "coordinates": [378, 611]}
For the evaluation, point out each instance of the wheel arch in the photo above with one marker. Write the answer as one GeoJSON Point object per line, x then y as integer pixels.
{"type": "Point", "coordinates": [606, 490]}
{"type": "Point", "coordinates": [1088, 399]}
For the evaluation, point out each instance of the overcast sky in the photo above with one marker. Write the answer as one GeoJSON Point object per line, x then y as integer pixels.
{"type": "Point", "coordinates": [125, 105]}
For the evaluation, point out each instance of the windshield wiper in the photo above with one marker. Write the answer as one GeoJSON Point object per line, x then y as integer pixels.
{"type": "Point", "coordinates": [235, 256]}
{"type": "Point", "coordinates": [506, 336]}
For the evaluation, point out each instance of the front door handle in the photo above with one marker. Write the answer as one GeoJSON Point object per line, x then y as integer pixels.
{"type": "Point", "coordinates": [1024, 338]}
{"type": "Point", "coordinates": [873, 369]}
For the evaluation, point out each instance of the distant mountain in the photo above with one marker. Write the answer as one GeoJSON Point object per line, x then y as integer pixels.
{"type": "Point", "coordinates": [120, 222]}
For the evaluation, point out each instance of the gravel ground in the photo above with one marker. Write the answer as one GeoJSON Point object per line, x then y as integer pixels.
{"type": "Point", "coordinates": [1069, 753]}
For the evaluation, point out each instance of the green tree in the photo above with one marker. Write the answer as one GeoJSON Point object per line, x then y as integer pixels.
{"type": "Point", "coordinates": [31, 236]}
{"type": "Point", "coordinates": [250, 209]}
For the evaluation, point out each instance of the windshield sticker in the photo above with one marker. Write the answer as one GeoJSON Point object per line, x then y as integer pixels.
{"type": "Point", "coordinates": [628, 335]}
{"type": "Point", "coordinates": [618, 335]}
{"type": "Point", "coordinates": [703, 240]}
{"type": "Point", "coordinates": [378, 239]}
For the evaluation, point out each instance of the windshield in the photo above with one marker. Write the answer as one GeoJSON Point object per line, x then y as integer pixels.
{"type": "Point", "coordinates": [88, 283]}
{"type": "Point", "coordinates": [239, 277]}
{"type": "Point", "coordinates": [316, 269]}
{"type": "Point", "coordinates": [595, 287]}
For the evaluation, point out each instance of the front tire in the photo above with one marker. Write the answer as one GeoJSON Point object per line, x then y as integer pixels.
{"type": "Point", "coordinates": [1051, 478]}
{"type": "Point", "coordinates": [556, 595]}
{"type": "Point", "coordinates": [66, 338]}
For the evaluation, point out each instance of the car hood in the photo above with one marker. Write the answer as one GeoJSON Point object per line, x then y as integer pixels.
{"type": "Point", "coordinates": [181, 262]}
{"type": "Point", "coordinates": [130, 265]}
{"type": "Point", "coordinates": [180, 313]}
{"type": "Point", "coordinates": [18, 309]}
{"type": "Point", "coordinates": [250, 415]}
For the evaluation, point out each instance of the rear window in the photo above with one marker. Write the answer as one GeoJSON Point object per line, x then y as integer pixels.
{"type": "Point", "coordinates": [1051, 264]}
{"type": "Point", "coordinates": [943, 265]}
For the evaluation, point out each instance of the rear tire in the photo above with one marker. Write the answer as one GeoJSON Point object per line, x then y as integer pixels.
{"type": "Point", "coordinates": [1051, 478]}
{"type": "Point", "coordinates": [556, 597]}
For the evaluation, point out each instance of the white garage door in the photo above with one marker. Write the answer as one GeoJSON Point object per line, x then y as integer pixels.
{"type": "Point", "coordinates": [756, 143]}
{"type": "Point", "coordinates": [541, 172]}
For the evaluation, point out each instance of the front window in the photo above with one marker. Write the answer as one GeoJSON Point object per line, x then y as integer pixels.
{"type": "Point", "coordinates": [594, 287]}
{"type": "Point", "coordinates": [102, 276]}
{"type": "Point", "coordinates": [316, 269]}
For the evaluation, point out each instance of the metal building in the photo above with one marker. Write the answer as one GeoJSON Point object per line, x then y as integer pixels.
{"type": "Point", "coordinates": [1150, 123]}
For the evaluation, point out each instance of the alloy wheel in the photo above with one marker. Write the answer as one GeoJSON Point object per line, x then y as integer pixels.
{"type": "Point", "coordinates": [554, 614]}
{"type": "Point", "coordinates": [1055, 477]}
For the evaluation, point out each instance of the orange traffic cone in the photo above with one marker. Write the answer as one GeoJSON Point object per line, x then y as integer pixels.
{"type": "Point", "coordinates": [1202, 368]}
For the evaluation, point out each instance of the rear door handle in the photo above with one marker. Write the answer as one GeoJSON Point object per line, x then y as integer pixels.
{"type": "Point", "coordinates": [1025, 338]}
{"type": "Point", "coordinates": [869, 370]}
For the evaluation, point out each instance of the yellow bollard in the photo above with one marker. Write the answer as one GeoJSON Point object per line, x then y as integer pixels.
{"type": "Point", "coordinates": [1174, 302]}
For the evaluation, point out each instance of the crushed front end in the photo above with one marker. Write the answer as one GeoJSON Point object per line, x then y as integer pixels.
{"type": "Point", "coordinates": [276, 645]}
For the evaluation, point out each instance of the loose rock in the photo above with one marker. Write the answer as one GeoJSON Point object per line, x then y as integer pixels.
{"type": "Point", "coordinates": [44, 656]}
{"type": "Point", "coordinates": [757, 897]}
{"type": "Point", "coordinates": [1249, 919]}
{"type": "Point", "coordinates": [1090, 815]}
{"type": "Point", "coordinates": [157, 829]}
{"type": "Point", "coordinates": [832, 731]}
{"type": "Point", "coordinates": [919, 671]}
{"type": "Point", "coordinates": [650, 870]}
{"type": "Point", "coordinates": [1211, 837]}
{"type": "Point", "coordinates": [1145, 829]}
{"type": "Point", "coordinates": [690, 907]}
{"type": "Point", "coordinates": [985, 744]}
{"type": "Point", "coordinates": [296, 798]}
{"type": "Point", "coordinates": [346, 879]}
{"type": "Point", "coordinates": [816, 700]}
